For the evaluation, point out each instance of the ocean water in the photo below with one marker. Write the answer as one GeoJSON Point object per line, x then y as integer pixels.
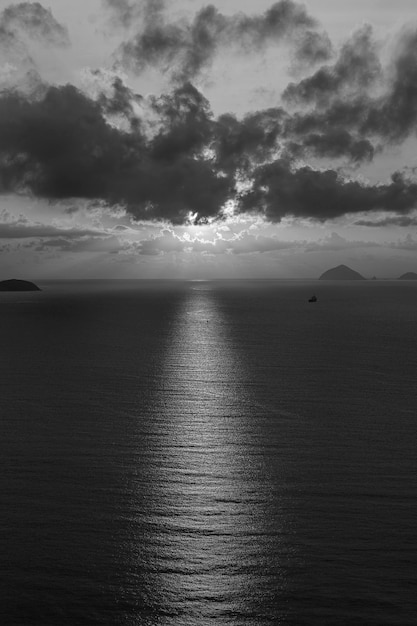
{"type": "Point", "coordinates": [208, 453]}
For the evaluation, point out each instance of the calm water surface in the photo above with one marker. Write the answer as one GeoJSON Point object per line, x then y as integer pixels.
{"type": "Point", "coordinates": [208, 453]}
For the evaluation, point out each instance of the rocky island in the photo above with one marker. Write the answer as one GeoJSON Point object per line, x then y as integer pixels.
{"type": "Point", "coordinates": [408, 276]}
{"type": "Point", "coordinates": [18, 285]}
{"type": "Point", "coordinates": [341, 272]}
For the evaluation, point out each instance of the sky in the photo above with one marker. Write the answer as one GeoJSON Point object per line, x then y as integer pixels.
{"type": "Point", "coordinates": [180, 139]}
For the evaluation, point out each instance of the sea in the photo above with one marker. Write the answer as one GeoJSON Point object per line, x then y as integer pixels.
{"type": "Point", "coordinates": [209, 453]}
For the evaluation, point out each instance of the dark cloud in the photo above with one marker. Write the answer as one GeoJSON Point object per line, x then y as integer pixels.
{"type": "Point", "coordinates": [187, 124]}
{"type": "Point", "coordinates": [60, 147]}
{"type": "Point", "coordinates": [120, 102]}
{"type": "Point", "coordinates": [312, 47]}
{"type": "Point", "coordinates": [345, 118]}
{"type": "Point", "coordinates": [185, 48]}
{"type": "Point", "coordinates": [342, 99]}
{"type": "Point", "coordinates": [391, 116]}
{"type": "Point", "coordinates": [241, 143]}
{"type": "Point", "coordinates": [394, 115]}
{"type": "Point", "coordinates": [32, 20]}
{"type": "Point", "coordinates": [333, 143]}
{"type": "Point", "coordinates": [184, 162]}
{"type": "Point", "coordinates": [340, 114]}
{"type": "Point", "coordinates": [280, 190]}
{"type": "Point", "coordinates": [342, 118]}
{"type": "Point", "coordinates": [356, 68]}
{"type": "Point", "coordinates": [57, 146]}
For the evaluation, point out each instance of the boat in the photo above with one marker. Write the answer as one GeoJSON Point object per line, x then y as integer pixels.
{"type": "Point", "coordinates": [313, 299]}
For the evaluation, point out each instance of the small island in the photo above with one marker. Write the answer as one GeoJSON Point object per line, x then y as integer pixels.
{"type": "Point", "coordinates": [408, 276]}
{"type": "Point", "coordinates": [341, 272]}
{"type": "Point", "coordinates": [18, 285]}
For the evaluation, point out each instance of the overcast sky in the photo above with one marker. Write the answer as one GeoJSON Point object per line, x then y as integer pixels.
{"type": "Point", "coordinates": [189, 140]}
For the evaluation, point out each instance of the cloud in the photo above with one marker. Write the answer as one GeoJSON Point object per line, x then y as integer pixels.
{"type": "Point", "coordinates": [30, 19]}
{"type": "Point", "coordinates": [186, 124]}
{"type": "Point", "coordinates": [60, 146]}
{"type": "Point", "coordinates": [169, 158]}
{"type": "Point", "coordinates": [241, 143]}
{"type": "Point", "coordinates": [395, 115]}
{"type": "Point", "coordinates": [394, 220]}
{"type": "Point", "coordinates": [357, 67]}
{"type": "Point", "coordinates": [312, 47]}
{"type": "Point", "coordinates": [243, 243]}
{"type": "Point", "coordinates": [117, 102]}
{"type": "Point", "coordinates": [127, 12]}
{"type": "Point", "coordinates": [14, 52]}
{"type": "Point", "coordinates": [20, 26]}
{"type": "Point", "coordinates": [332, 143]}
{"type": "Point", "coordinates": [55, 145]}
{"type": "Point", "coordinates": [22, 228]}
{"type": "Point", "coordinates": [342, 96]}
{"type": "Point", "coordinates": [123, 10]}
{"type": "Point", "coordinates": [107, 245]}
{"type": "Point", "coordinates": [280, 190]}
{"type": "Point", "coordinates": [165, 242]}
{"type": "Point", "coordinates": [184, 48]}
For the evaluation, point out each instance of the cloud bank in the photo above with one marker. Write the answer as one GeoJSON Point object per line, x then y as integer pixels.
{"type": "Point", "coordinates": [169, 158]}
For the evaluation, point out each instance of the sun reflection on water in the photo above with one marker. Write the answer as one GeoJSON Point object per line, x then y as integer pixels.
{"type": "Point", "coordinates": [209, 533]}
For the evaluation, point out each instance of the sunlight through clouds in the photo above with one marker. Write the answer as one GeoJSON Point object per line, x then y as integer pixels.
{"type": "Point", "coordinates": [147, 130]}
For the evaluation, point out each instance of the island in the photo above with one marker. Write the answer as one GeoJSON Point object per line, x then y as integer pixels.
{"type": "Point", "coordinates": [341, 272]}
{"type": "Point", "coordinates": [18, 285]}
{"type": "Point", "coordinates": [408, 276]}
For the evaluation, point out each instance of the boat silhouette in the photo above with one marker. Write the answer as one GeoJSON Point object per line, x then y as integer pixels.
{"type": "Point", "coordinates": [313, 299]}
